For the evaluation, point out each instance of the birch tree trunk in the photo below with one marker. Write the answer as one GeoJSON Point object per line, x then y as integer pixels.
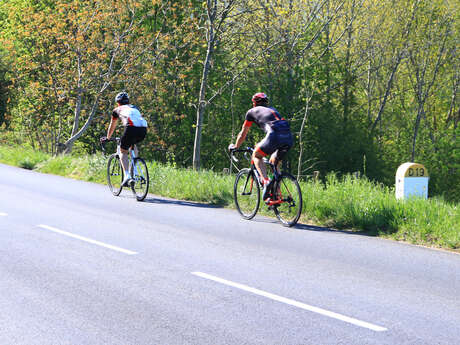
{"type": "Point", "coordinates": [215, 19]}
{"type": "Point", "coordinates": [304, 121]}
{"type": "Point", "coordinates": [202, 100]}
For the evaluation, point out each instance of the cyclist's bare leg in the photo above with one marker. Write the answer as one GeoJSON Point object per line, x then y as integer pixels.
{"type": "Point", "coordinates": [125, 160]}
{"type": "Point", "coordinates": [276, 162]}
{"type": "Point", "coordinates": [136, 151]}
{"type": "Point", "coordinates": [259, 164]}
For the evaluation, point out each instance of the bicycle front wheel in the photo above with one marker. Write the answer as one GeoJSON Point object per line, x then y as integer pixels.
{"type": "Point", "coordinates": [288, 192]}
{"type": "Point", "coordinates": [246, 193]}
{"type": "Point", "coordinates": [140, 175]}
{"type": "Point", "coordinates": [114, 174]}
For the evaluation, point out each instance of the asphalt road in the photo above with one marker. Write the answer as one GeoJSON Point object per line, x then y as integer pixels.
{"type": "Point", "coordinates": [80, 266]}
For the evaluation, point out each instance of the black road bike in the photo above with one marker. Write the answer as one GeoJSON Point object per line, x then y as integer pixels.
{"type": "Point", "coordinates": [137, 168]}
{"type": "Point", "coordinates": [284, 190]}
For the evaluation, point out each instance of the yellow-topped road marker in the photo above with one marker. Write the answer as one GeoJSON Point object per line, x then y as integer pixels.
{"type": "Point", "coordinates": [412, 180]}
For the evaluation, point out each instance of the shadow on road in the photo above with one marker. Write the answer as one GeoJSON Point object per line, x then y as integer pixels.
{"type": "Point", "coordinates": [307, 227]}
{"type": "Point", "coordinates": [258, 219]}
{"type": "Point", "coordinates": [178, 202]}
{"type": "Point", "coordinates": [323, 229]}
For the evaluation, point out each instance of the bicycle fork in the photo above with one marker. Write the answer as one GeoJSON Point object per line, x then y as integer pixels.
{"type": "Point", "coordinates": [250, 179]}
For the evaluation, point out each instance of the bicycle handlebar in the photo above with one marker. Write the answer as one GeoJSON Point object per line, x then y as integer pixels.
{"type": "Point", "coordinates": [103, 142]}
{"type": "Point", "coordinates": [246, 150]}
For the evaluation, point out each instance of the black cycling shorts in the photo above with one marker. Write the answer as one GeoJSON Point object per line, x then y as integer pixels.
{"type": "Point", "coordinates": [275, 142]}
{"type": "Point", "coordinates": [132, 135]}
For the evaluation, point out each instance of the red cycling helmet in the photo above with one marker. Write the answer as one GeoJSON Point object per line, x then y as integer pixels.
{"type": "Point", "coordinates": [259, 97]}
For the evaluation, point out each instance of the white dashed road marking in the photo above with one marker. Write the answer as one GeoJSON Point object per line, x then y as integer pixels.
{"type": "Point", "coordinates": [85, 239]}
{"type": "Point", "coordinates": [293, 303]}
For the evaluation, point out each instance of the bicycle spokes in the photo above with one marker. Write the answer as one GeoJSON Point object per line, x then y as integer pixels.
{"type": "Point", "coordinates": [287, 195]}
{"type": "Point", "coordinates": [246, 193]}
{"type": "Point", "coordinates": [115, 171]}
{"type": "Point", "coordinates": [114, 174]}
{"type": "Point", "coordinates": [289, 208]}
{"type": "Point", "coordinates": [140, 176]}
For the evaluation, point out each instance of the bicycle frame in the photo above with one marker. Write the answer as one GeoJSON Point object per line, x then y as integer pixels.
{"type": "Point", "coordinates": [137, 168]}
{"type": "Point", "coordinates": [276, 174]}
{"type": "Point", "coordinates": [132, 155]}
{"type": "Point", "coordinates": [131, 161]}
{"type": "Point", "coordinates": [285, 196]}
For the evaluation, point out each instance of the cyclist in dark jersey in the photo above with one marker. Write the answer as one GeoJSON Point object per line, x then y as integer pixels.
{"type": "Point", "coordinates": [135, 129]}
{"type": "Point", "coordinates": [276, 143]}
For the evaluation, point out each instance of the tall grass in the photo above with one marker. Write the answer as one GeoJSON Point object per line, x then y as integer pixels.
{"type": "Point", "coordinates": [186, 184]}
{"type": "Point", "coordinates": [350, 203]}
{"type": "Point", "coordinates": [343, 203]}
{"type": "Point", "coordinates": [22, 157]}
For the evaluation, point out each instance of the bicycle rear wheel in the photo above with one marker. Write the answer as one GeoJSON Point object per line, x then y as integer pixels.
{"type": "Point", "coordinates": [246, 193]}
{"type": "Point", "coordinates": [140, 176]}
{"type": "Point", "coordinates": [114, 174]}
{"type": "Point", "coordinates": [287, 190]}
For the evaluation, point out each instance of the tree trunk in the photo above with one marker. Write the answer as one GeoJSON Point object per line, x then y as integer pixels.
{"type": "Point", "coordinates": [416, 127]}
{"type": "Point", "coordinates": [69, 143]}
{"type": "Point", "coordinates": [387, 91]}
{"type": "Point", "coordinates": [211, 39]}
{"type": "Point", "coordinates": [202, 102]}
{"type": "Point", "coordinates": [76, 122]}
{"type": "Point", "coordinates": [76, 119]}
{"type": "Point", "coordinates": [299, 166]}
{"type": "Point", "coordinates": [347, 77]}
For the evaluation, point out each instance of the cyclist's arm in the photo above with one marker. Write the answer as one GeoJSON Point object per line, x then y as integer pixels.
{"type": "Point", "coordinates": [112, 126]}
{"type": "Point", "coordinates": [242, 135]}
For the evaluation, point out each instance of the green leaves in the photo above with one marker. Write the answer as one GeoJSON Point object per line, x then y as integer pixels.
{"type": "Point", "coordinates": [360, 76]}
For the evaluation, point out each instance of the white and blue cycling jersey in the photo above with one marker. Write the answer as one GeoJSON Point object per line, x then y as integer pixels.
{"type": "Point", "coordinates": [129, 115]}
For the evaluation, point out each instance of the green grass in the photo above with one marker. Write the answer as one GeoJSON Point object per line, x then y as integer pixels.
{"type": "Point", "coordinates": [346, 203]}
{"type": "Point", "coordinates": [22, 157]}
{"type": "Point", "coordinates": [186, 184]}
{"type": "Point", "coordinates": [360, 204]}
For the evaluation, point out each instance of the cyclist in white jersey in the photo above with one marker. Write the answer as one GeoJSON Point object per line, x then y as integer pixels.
{"type": "Point", "coordinates": [134, 132]}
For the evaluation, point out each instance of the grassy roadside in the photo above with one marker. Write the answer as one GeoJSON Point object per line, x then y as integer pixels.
{"type": "Point", "coordinates": [345, 203]}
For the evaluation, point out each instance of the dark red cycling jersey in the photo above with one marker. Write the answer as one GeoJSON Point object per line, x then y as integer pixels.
{"type": "Point", "coordinates": [278, 139]}
{"type": "Point", "coordinates": [264, 117]}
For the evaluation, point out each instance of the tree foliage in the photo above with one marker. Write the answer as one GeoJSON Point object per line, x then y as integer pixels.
{"type": "Point", "coordinates": [366, 84]}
